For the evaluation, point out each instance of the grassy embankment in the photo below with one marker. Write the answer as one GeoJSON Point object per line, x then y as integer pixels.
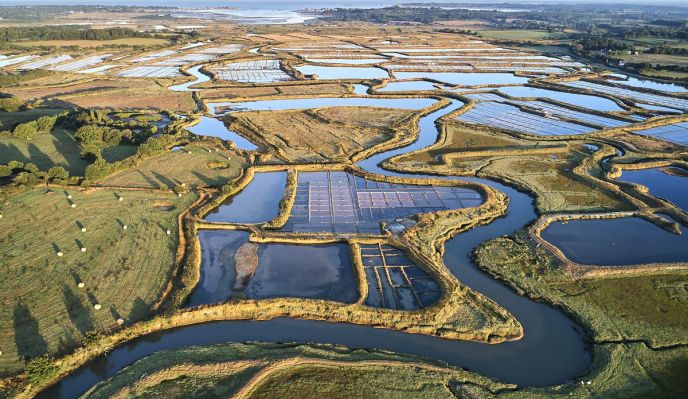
{"type": "Point", "coordinates": [286, 371]}
{"type": "Point", "coordinates": [213, 90]}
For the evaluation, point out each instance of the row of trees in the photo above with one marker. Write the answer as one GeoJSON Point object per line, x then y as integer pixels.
{"type": "Point", "coordinates": [29, 175]}
{"type": "Point", "coordinates": [35, 33]}
{"type": "Point", "coordinates": [29, 130]}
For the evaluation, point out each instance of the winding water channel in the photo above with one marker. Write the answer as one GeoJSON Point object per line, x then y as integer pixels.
{"type": "Point", "coordinates": [552, 351]}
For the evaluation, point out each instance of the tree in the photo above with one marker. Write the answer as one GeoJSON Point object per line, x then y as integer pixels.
{"type": "Point", "coordinates": [46, 123]}
{"type": "Point", "coordinates": [91, 153]}
{"type": "Point", "coordinates": [5, 171]}
{"type": "Point", "coordinates": [26, 131]}
{"type": "Point", "coordinates": [11, 104]}
{"type": "Point", "coordinates": [89, 134]}
{"type": "Point", "coordinates": [98, 169]}
{"type": "Point", "coordinates": [31, 168]}
{"type": "Point", "coordinates": [26, 179]}
{"type": "Point", "coordinates": [15, 165]}
{"type": "Point", "coordinates": [57, 172]}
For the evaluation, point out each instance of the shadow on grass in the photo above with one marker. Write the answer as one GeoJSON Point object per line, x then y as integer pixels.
{"type": "Point", "coordinates": [27, 336]}
{"type": "Point", "coordinates": [139, 310]}
{"type": "Point", "coordinates": [210, 181]}
{"type": "Point", "coordinates": [79, 314]}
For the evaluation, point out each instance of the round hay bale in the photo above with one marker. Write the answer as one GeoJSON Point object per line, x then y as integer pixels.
{"type": "Point", "coordinates": [69, 196]}
{"type": "Point", "coordinates": [179, 194]}
{"type": "Point", "coordinates": [120, 198]}
{"type": "Point", "coordinates": [81, 285]}
{"type": "Point", "coordinates": [59, 253]}
{"type": "Point", "coordinates": [83, 249]}
{"type": "Point", "coordinates": [0, 216]}
{"type": "Point", "coordinates": [124, 227]}
{"type": "Point", "coordinates": [73, 205]}
{"type": "Point", "coordinates": [83, 229]}
{"type": "Point", "coordinates": [120, 321]}
{"type": "Point", "coordinates": [97, 306]}
{"type": "Point", "coordinates": [168, 232]}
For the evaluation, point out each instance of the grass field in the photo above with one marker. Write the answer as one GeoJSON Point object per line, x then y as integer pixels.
{"type": "Point", "coordinates": [661, 59]}
{"type": "Point", "coordinates": [522, 34]}
{"type": "Point", "coordinates": [125, 271]}
{"type": "Point", "coordinates": [198, 169]}
{"type": "Point", "coordinates": [323, 135]}
{"type": "Point", "coordinates": [132, 41]}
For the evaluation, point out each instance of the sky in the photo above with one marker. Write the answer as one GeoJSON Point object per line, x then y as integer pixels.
{"type": "Point", "coordinates": [298, 4]}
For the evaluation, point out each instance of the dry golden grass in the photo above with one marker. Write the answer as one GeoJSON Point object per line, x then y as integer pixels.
{"type": "Point", "coordinates": [332, 134]}
{"type": "Point", "coordinates": [212, 92]}
{"type": "Point", "coordinates": [106, 92]}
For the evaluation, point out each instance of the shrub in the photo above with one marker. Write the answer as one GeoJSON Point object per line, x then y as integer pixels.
{"type": "Point", "coordinates": [46, 123]}
{"type": "Point", "coordinates": [57, 172]}
{"type": "Point", "coordinates": [11, 104]}
{"type": "Point", "coordinates": [26, 179]}
{"type": "Point", "coordinates": [29, 167]}
{"type": "Point", "coordinates": [26, 131]}
{"type": "Point", "coordinates": [98, 169]}
{"type": "Point", "coordinates": [15, 165]}
{"type": "Point", "coordinates": [5, 171]}
{"type": "Point", "coordinates": [40, 369]}
{"type": "Point", "coordinates": [179, 189]}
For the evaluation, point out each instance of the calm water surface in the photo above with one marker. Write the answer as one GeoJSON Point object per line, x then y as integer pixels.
{"type": "Point", "coordinates": [671, 187]}
{"type": "Point", "coordinates": [304, 271]}
{"type": "Point", "coordinates": [465, 78]}
{"type": "Point", "coordinates": [256, 203]}
{"type": "Point", "coordinates": [218, 248]}
{"type": "Point", "coordinates": [329, 73]}
{"type": "Point", "coordinates": [408, 86]}
{"type": "Point", "coordinates": [617, 242]}
{"type": "Point", "coordinates": [216, 128]}
{"type": "Point", "coordinates": [580, 100]}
